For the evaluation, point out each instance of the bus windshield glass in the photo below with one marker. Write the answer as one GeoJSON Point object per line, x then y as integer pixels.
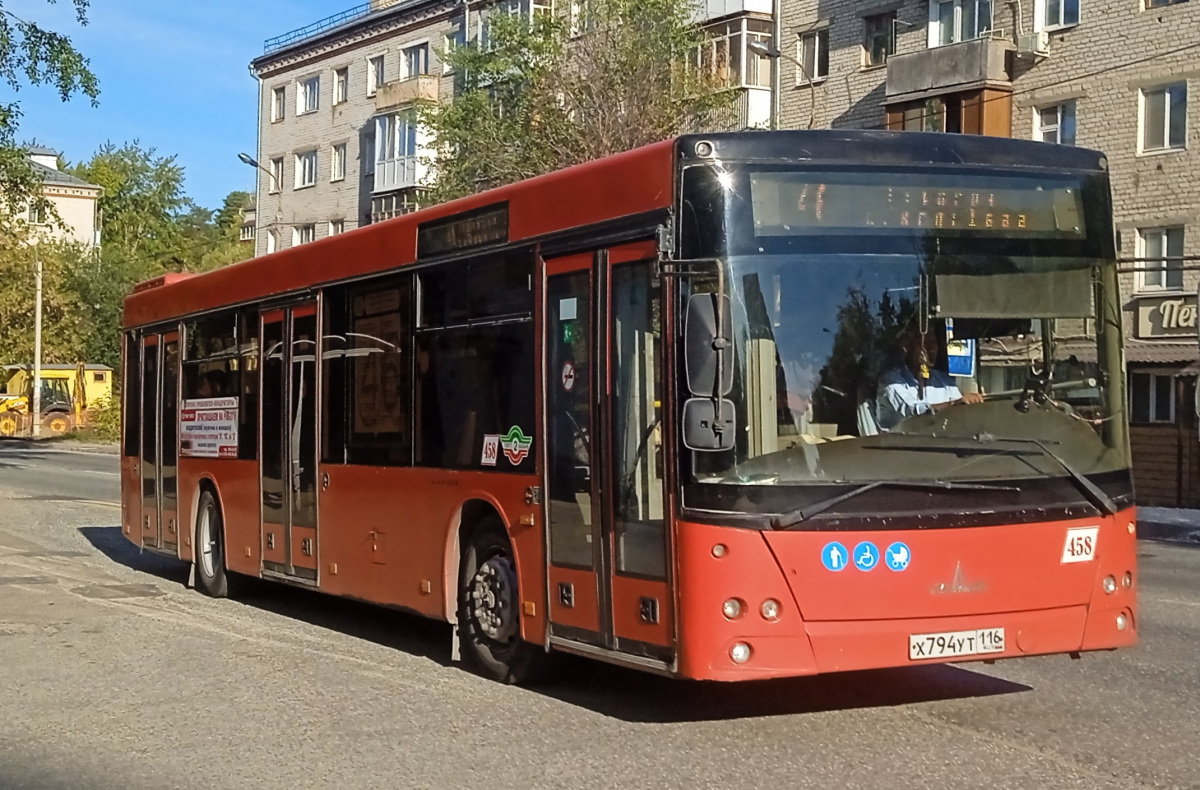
{"type": "Point", "coordinates": [931, 332]}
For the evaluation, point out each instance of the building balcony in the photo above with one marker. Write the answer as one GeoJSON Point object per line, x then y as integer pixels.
{"type": "Point", "coordinates": [400, 173]}
{"type": "Point", "coordinates": [395, 95]}
{"type": "Point", "coordinates": [752, 108]}
{"type": "Point", "coordinates": [715, 9]}
{"type": "Point", "coordinates": [967, 65]}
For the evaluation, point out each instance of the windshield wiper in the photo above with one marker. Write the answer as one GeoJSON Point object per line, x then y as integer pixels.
{"type": "Point", "coordinates": [799, 515]}
{"type": "Point", "coordinates": [1093, 492]}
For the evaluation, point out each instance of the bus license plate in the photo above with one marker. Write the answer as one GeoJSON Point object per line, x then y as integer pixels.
{"type": "Point", "coordinates": [953, 644]}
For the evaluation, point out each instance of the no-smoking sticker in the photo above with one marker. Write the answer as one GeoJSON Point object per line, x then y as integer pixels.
{"type": "Point", "coordinates": [568, 376]}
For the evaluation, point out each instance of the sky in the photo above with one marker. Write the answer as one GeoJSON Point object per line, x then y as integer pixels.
{"type": "Point", "coordinates": [174, 75]}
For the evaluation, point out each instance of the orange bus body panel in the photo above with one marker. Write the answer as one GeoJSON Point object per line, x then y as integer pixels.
{"type": "Point", "coordinates": [1008, 576]}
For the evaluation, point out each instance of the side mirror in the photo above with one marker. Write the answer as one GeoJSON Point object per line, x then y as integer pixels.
{"type": "Point", "coordinates": [707, 430]}
{"type": "Point", "coordinates": [709, 347]}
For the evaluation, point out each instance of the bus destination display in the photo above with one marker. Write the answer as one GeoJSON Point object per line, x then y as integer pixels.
{"type": "Point", "coordinates": [790, 203]}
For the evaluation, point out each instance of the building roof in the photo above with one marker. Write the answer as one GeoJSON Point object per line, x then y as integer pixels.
{"type": "Point", "coordinates": [1159, 352]}
{"type": "Point", "coordinates": [56, 367]}
{"type": "Point", "coordinates": [51, 176]}
{"type": "Point", "coordinates": [331, 27]}
{"type": "Point", "coordinates": [41, 150]}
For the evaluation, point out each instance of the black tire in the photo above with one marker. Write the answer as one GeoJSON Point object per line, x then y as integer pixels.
{"type": "Point", "coordinates": [57, 422]}
{"type": "Point", "coordinates": [489, 610]}
{"type": "Point", "coordinates": [10, 423]}
{"type": "Point", "coordinates": [211, 576]}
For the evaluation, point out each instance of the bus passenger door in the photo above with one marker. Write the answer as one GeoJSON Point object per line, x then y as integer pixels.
{"type": "Point", "coordinates": [148, 462]}
{"type": "Point", "coordinates": [289, 449]}
{"type": "Point", "coordinates": [609, 575]}
{"type": "Point", "coordinates": [168, 451]}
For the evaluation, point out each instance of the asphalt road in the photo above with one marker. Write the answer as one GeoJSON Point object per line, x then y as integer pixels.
{"type": "Point", "coordinates": [114, 675]}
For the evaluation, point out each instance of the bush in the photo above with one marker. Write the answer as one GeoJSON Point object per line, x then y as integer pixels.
{"type": "Point", "coordinates": [103, 421]}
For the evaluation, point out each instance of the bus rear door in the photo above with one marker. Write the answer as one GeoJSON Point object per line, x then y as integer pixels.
{"type": "Point", "coordinates": [609, 574]}
{"type": "Point", "coordinates": [159, 440]}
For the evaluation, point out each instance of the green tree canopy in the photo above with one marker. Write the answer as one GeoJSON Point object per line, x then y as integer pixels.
{"type": "Point", "coordinates": [543, 93]}
{"type": "Point", "coordinates": [30, 55]}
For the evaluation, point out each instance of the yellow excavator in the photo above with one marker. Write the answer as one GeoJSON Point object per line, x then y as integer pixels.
{"type": "Point", "coordinates": [65, 397]}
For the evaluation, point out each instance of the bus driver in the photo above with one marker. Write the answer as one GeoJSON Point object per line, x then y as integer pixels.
{"type": "Point", "coordinates": [916, 387]}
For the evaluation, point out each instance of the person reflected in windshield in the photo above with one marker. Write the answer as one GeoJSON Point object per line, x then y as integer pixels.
{"type": "Point", "coordinates": [917, 386]}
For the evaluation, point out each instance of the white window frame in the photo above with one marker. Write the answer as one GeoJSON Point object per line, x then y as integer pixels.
{"type": "Point", "coordinates": [341, 85]}
{"type": "Point", "coordinates": [308, 95]}
{"type": "Point", "coordinates": [820, 39]}
{"type": "Point", "coordinates": [1042, 7]}
{"type": "Point", "coordinates": [337, 227]}
{"type": "Point", "coordinates": [393, 133]}
{"type": "Point", "coordinates": [337, 161]}
{"type": "Point", "coordinates": [404, 50]}
{"type": "Point", "coordinates": [304, 234]}
{"type": "Point", "coordinates": [376, 77]}
{"type": "Point", "coordinates": [1166, 146]}
{"type": "Point", "coordinates": [890, 49]}
{"type": "Point", "coordinates": [272, 241]}
{"type": "Point", "coordinates": [450, 42]}
{"type": "Point", "coordinates": [306, 169]}
{"type": "Point", "coordinates": [247, 233]}
{"type": "Point", "coordinates": [278, 103]}
{"type": "Point", "coordinates": [958, 35]}
{"type": "Point", "coordinates": [275, 181]}
{"type": "Point", "coordinates": [1153, 394]}
{"type": "Point", "coordinates": [1160, 267]}
{"type": "Point", "coordinates": [1064, 110]}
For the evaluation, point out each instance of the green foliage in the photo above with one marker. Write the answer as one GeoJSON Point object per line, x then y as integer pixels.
{"type": "Point", "coordinates": [545, 93]}
{"type": "Point", "coordinates": [104, 420]}
{"type": "Point", "coordinates": [33, 56]}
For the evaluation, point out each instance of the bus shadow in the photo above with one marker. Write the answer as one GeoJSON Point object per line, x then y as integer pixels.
{"type": "Point", "coordinates": [112, 544]}
{"type": "Point", "coordinates": [608, 690]}
{"type": "Point", "coordinates": [649, 699]}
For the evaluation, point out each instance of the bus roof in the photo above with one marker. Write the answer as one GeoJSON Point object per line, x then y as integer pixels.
{"type": "Point", "coordinates": [622, 185]}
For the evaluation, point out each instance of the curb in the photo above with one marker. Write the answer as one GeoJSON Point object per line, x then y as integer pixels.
{"type": "Point", "coordinates": [1172, 533]}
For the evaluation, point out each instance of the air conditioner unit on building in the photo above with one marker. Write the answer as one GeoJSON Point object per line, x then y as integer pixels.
{"type": "Point", "coordinates": [1034, 44]}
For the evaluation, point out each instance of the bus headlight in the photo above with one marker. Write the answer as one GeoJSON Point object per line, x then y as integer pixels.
{"type": "Point", "coordinates": [770, 609]}
{"type": "Point", "coordinates": [732, 609]}
{"type": "Point", "coordinates": [1109, 584]}
{"type": "Point", "coordinates": [740, 653]}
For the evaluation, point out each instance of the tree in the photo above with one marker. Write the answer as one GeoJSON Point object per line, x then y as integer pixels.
{"type": "Point", "coordinates": [541, 94]}
{"type": "Point", "coordinates": [32, 55]}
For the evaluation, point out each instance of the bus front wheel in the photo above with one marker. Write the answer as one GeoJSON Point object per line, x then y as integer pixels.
{"type": "Point", "coordinates": [211, 576]}
{"type": "Point", "coordinates": [489, 610]}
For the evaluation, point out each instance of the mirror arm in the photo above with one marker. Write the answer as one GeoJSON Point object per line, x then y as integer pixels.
{"type": "Point", "coordinates": [720, 344]}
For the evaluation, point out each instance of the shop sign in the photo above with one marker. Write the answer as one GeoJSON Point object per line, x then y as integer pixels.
{"type": "Point", "coordinates": [1166, 316]}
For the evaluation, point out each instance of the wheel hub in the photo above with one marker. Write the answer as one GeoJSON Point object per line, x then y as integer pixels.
{"type": "Point", "coordinates": [493, 599]}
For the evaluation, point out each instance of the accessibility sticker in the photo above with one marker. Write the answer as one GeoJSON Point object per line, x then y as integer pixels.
{"type": "Point", "coordinates": [834, 556]}
{"type": "Point", "coordinates": [866, 556]}
{"type": "Point", "coordinates": [898, 556]}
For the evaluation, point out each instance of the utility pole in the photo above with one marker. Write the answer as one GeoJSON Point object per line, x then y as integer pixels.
{"type": "Point", "coordinates": [36, 407]}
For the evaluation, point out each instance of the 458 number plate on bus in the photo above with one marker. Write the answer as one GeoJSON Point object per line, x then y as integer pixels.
{"type": "Point", "coordinates": [954, 644]}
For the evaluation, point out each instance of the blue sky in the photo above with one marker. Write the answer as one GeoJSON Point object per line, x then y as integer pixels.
{"type": "Point", "coordinates": [173, 74]}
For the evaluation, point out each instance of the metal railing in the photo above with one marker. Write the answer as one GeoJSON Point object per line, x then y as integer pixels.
{"type": "Point", "coordinates": [299, 34]}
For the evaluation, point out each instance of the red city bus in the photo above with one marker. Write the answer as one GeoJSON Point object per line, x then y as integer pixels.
{"type": "Point", "coordinates": [731, 406]}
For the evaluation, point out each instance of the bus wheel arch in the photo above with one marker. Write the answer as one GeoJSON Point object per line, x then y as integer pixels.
{"type": "Point", "coordinates": [487, 597]}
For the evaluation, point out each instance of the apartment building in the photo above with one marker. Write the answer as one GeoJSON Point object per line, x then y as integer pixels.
{"type": "Point", "coordinates": [1114, 75]}
{"type": "Point", "coordinates": [340, 144]}
{"type": "Point", "coordinates": [75, 200]}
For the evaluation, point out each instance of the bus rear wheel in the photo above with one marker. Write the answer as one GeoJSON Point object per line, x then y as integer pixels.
{"type": "Point", "coordinates": [489, 610]}
{"type": "Point", "coordinates": [211, 576]}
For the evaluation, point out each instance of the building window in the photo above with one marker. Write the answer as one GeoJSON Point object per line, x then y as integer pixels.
{"type": "Point", "coordinates": [812, 50]}
{"type": "Point", "coordinates": [308, 95]}
{"type": "Point", "coordinates": [452, 42]}
{"type": "Point", "coordinates": [272, 241]}
{"type": "Point", "coordinates": [879, 38]}
{"type": "Point", "coordinates": [337, 227]}
{"type": "Point", "coordinates": [276, 175]}
{"type": "Point", "coordinates": [1056, 13]}
{"type": "Point", "coordinates": [247, 233]}
{"type": "Point", "coordinates": [36, 214]}
{"type": "Point", "coordinates": [1164, 117]}
{"type": "Point", "coordinates": [306, 169]}
{"type": "Point", "coordinates": [98, 377]}
{"type": "Point", "coordinates": [303, 234]}
{"type": "Point", "coordinates": [278, 102]}
{"type": "Point", "coordinates": [724, 52]}
{"type": "Point", "coordinates": [416, 60]}
{"type": "Point", "coordinates": [1151, 398]}
{"type": "Point", "coordinates": [337, 162]}
{"type": "Point", "coordinates": [1056, 124]}
{"type": "Point", "coordinates": [952, 21]}
{"type": "Point", "coordinates": [375, 78]}
{"type": "Point", "coordinates": [341, 86]}
{"type": "Point", "coordinates": [395, 138]}
{"type": "Point", "coordinates": [1161, 254]}
{"type": "Point", "coordinates": [1162, 3]}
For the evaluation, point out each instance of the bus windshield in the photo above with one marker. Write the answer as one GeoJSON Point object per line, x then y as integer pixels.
{"type": "Point", "coordinates": [935, 333]}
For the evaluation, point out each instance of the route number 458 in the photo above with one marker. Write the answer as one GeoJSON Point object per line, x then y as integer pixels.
{"type": "Point", "coordinates": [1080, 545]}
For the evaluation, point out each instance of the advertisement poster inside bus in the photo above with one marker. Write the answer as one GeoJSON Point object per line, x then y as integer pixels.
{"type": "Point", "coordinates": [208, 428]}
